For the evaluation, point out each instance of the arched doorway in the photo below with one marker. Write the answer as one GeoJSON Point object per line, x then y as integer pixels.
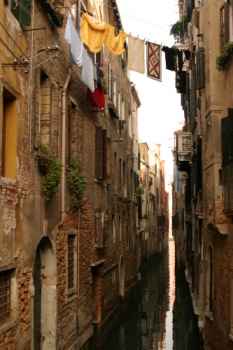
{"type": "Point", "coordinates": [45, 297]}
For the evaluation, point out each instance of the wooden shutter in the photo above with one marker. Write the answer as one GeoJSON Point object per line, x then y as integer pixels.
{"type": "Point", "coordinates": [230, 132]}
{"type": "Point", "coordinates": [104, 135]}
{"type": "Point", "coordinates": [22, 11]}
{"type": "Point", "coordinates": [224, 132]}
{"type": "Point", "coordinates": [99, 229]}
{"type": "Point", "coordinates": [200, 69]}
{"type": "Point", "coordinates": [110, 88]}
{"type": "Point", "coordinates": [226, 22]}
{"type": "Point", "coordinates": [98, 153]}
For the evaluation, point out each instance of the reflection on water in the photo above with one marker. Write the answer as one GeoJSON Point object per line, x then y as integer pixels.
{"type": "Point", "coordinates": [161, 318]}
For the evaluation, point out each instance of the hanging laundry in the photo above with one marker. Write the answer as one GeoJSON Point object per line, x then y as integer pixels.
{"type": "Point", "coordinates": [154, 61]}
{"type": "Point", "coordinates": [76, 45]}
{"type": "Point", "coordinates": [169, 57]}
{"type": "Point", "coordinates": [96, 8]}
{"type": "Point", "coordinates": [136, 58]}
{"type": "Point", "coordinates": [87, 71]}
{"type": "Point", "coordinates": [179, 54]}
{"type": "Point", "coordinates": [96, 99]}
{"type": "Point", "coordinates": [187, 54]}
{"type": "Point", "coordinates": [93, 33]}
{"type": "Point", "coordinates": [115, 44]}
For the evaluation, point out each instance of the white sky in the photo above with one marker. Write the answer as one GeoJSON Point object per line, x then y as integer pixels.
{"type": "Point", "coordinates": [160, 113]}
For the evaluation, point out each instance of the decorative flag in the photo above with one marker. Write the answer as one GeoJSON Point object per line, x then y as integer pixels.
{"type": "Point", "coordinates": [76, 45]}
{"type": "Point", "coordinates": [136, 59]}
{"type": "Point", "coordinates": [154, 61]}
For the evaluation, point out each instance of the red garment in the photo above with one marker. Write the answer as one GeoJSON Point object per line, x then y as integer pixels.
{"type": "Point", "coordinates": [96, 98]}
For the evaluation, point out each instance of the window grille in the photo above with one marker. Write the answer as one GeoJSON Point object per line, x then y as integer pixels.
{"type": "Point", "coordinates": [71, 241]}
{"type": "Point", "coordinates": [5, 295]}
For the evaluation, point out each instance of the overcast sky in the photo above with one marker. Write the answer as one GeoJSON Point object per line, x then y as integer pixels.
{"type": "Point", "coordinates": [160, 113]}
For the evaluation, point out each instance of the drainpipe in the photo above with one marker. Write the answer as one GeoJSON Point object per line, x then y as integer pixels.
{"type": "Point", "coordinates": [63, 142]}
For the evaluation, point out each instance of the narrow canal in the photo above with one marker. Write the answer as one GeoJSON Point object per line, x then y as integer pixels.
{"type": "Point", "coordinates": [162, 317]}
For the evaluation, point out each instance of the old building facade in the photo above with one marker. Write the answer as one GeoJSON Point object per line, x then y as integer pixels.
{"type": "Point", "coordinates": [67, 260]}
{"type": "Point", "coordinates": [202, 212]}
{"type": "Point", "coordinates": [153, 204]}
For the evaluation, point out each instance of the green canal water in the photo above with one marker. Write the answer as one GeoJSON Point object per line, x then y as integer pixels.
{"type": "Point", "coordinates": [161, 316]}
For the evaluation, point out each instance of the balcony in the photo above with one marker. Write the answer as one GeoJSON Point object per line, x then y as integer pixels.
{"type": "Point", "coordinates": [183, 149]}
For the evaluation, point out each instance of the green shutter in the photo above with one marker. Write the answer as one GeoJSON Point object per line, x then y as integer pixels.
{"type": "Point", "coordinates": [230, 133]}
{"type": "Point", "coordinates": [224, 132]}
{"type": "Point", "coordinates": [21, 9]}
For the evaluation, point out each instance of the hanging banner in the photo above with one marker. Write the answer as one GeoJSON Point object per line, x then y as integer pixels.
{"type": "Point", "coordinates": [154, 61]}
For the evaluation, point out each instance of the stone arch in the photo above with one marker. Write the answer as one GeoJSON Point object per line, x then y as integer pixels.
{"type": "Point", "coordinates": [45, 297]}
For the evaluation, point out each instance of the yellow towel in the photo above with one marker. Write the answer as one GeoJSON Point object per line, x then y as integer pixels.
{"type": "Point", "coordinates": [115, 44]}
{"type": "Point", "coordinates": [93, 34]}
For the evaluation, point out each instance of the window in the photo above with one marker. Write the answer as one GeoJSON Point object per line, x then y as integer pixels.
{"type": "Point", "coordinates": [5, 295]}
{"type": "Point", "coordinates": [21, 10]}
{"type": "Point", "coordinates": [9, 135]}
{"type": "Point", "coordinates": [102, 154]}
{"type": "Point", "coordinates": [127, 237]}
{"type": "Point", "coordinates": [120, 228]}
{"type": "Point", "coordinates": [71, 261]}
{"type": "Point", "coordinates": [111, 85]}
{"type": "Point", "coordinates": [224, 25]}
{"type": "Point", "coordinates": [113, 229]}
{"type": "Point", "coordinates": [209, 282]}
{"type": "Point", "coordinates": [45, 109]}
{"type": "Point", "coordinates": [99, 229]}
{"type": "Point", "coordinates": [227, 160]}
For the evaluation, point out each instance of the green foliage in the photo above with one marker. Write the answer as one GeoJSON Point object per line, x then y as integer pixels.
{"type": "Point", "coordinates": [139, 191]}
{"type": "Point", "coordinates": [53, 173]}
{"type": "Point", "coordinates": [76, 183]}
{"type": "Point", "coordinates": [223, 59]}
{"type": "Point", "coordinates": [179, 30]}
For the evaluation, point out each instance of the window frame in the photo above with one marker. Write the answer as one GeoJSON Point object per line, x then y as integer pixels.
{"type": "Point", "coordinates": [71, 289]}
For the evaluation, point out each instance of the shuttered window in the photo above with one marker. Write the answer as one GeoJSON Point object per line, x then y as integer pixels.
{"type": "Point", "coordinates": [5, 295]}
{"type": "Point", "coordinates": [227, 134]}
{"type": "Point", "coordinates": [224, 24]}
{"type": "Point", "coordinates": [200, 69]}
{"type": "Point", "coordinates": [102, 154]}
{"type": "Point", "coordinates": [21, 9]}
{"type": "Point", "coordinates": [70, 260]}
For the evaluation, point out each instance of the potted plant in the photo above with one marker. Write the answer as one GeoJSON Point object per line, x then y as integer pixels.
{"type": "Point", "coordinates": [223, 59]}
{"type": "Point", "coordinates": [179, 30]}
{"type": "Point", "coordinates": [76, 183]}
{"type": "Point", "coordinates": [53, 171]}
{"type": "Point", "coordinates": [139, 191]}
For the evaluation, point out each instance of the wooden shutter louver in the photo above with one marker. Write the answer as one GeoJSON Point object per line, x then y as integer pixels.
{"type": "Point", "coordinates": [200, 69]}
{"type": "Point", "coordinates": [224, 137]}
{"type": "Point", "coordinates": [98, 153]}
{"type": "Point", "coordinates": [226, 22]}
{"type": "Point", "coordinates": [110, 88]}
{"type": "Point", "coordinates": [22, 11]}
